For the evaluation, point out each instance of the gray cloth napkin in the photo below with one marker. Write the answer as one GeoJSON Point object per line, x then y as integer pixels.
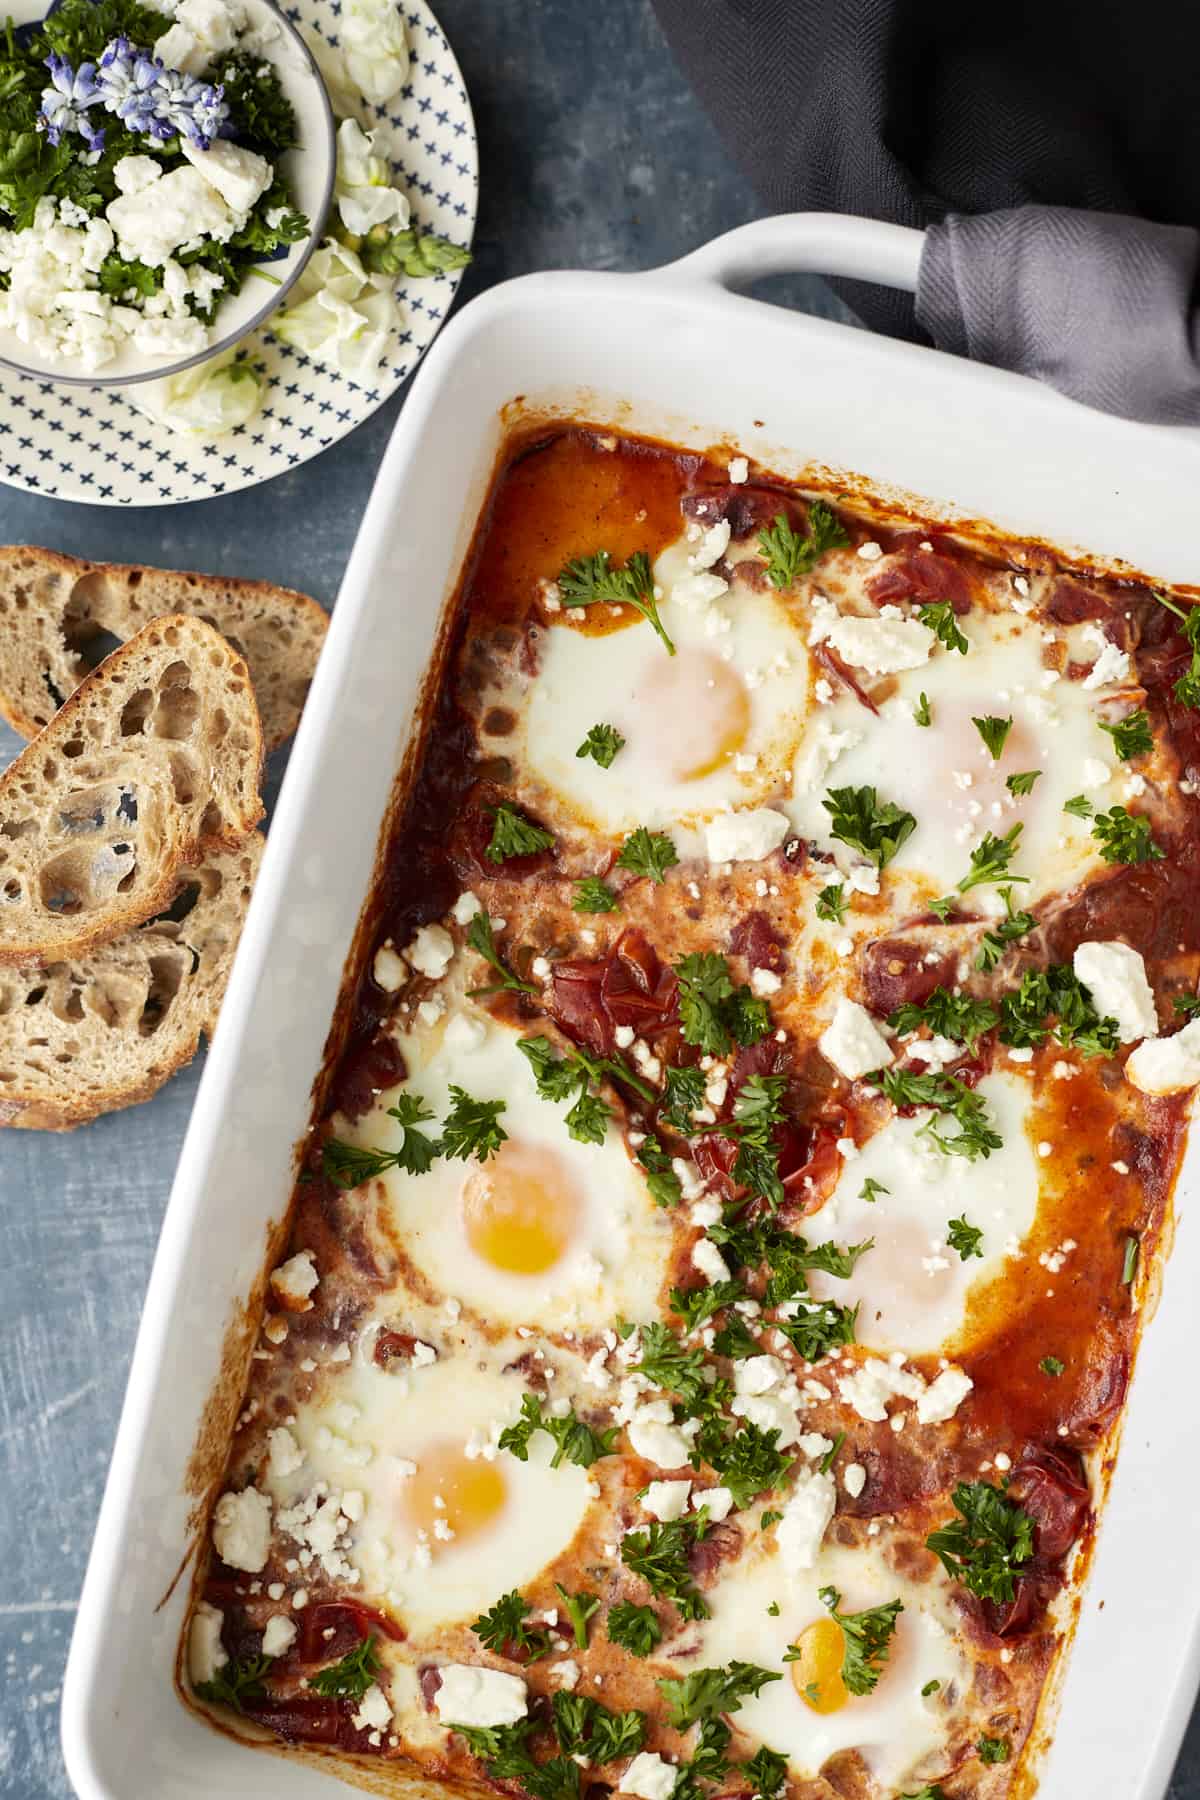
{"type": "Point", "coordinates": [1103, 307]}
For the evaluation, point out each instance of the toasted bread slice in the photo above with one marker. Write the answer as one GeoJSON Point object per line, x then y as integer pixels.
{"type": "Point", "coordinates": [57, 611]}
{"type": "Point", "coordinates": [78, 1039]}
{"type": "Point", "coordinates": [153, 763]}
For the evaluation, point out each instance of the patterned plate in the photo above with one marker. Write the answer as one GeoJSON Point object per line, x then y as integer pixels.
{"type": "Point", "coordinates": [92, 445]}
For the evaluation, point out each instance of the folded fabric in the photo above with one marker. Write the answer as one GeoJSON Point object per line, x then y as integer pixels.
{"type": "Point", "coordinates": [1103, 307]}
{"type": "Point", "coordinates": [910, 110]}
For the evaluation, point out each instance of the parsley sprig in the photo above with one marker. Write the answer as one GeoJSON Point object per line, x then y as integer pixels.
{"type": "Point", "coordinates": [1008, 930]}
{"type": "Point", "coordinates": [988, 1542]}
{"type": "Point", "coordinates": [349, 1165]}
{"type": "Point", "coordinates": [832, 904]}
{"type": "Point", "coordinates": [1187, 688]}
{"type": "Point", "coordinates": [859, 818]}
{"type": "Point", "coordinates": [580, 1608]}
{"type": "Point", "coordinates": [574, 1440]}
{"type": "Point", "coordinates": [939, 617]}
{"type": "Point", "coordinates": [584, 1727]}
{"type": "Point", "coordinates": [658, 1552]}
{"type": "Point", "coordinates": [648, 853]}
{"type": "Point", "coordinates": [990, 859]}
{"type": "Point", "coordinates": [241, 1678]}
{"type": "Point", "coordinates": [945, 1094]}
{"type": "Point", "coordinates": [713, 1013]}
{"type": "Point", "coordinates": [867, 1637]}
{"type": "Point", "coordinates": [591, 580]}
{"type": "Point", "coordinates": [514, 835]}
{"type": "Point", "coordinates": [633, 1628]}
{"type": "Point", "coordinates": [757, 1116]}
{"type": "Point", "coordinates": [571, 1076]}
{"type": "Point", "coordinates": [788, 555]}
{"type": "Point", "coordinates": [1125, 837]}
{"type": "Point", "coordinates": [949, 1015]}
{"type": "Point", "coordinates": [705, 1693]}
{"type": "Point", "coordinates": [350, 1678]}
{"type": "Point", "coordinates": [1131, 735]}
{"type": "Point", "coordinates": [593, 895]}
{"type": "Point", "coordinates": [482, 939]}
{"type": "Point", "coordinates": [967, 1239]}
{"type": "Point", "coordinates": [602, 744]}
{"type": "Point", "coordinates": [994, 733]}
{"type": "Point", "coordinates": [1055, 999]}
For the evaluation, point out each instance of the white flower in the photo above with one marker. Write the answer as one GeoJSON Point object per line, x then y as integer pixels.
{"type": "Point", "coordinates": [341, 317]}
{"type": "Point", "coordinates": [211, 398]}
{"type": "Point", "coordinates": [375, 48]}
{"type": "Point", "coordinates": [363, 187]}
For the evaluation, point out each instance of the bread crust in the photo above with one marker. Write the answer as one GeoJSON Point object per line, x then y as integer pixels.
{"type": "Point", "coordinates": [153, 763]}
{"type": "Point", "coordinates": [52, 605]}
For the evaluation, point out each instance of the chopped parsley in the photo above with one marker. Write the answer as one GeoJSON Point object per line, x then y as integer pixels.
{"type": "Point", "coordinates": [1185, 1006]}
{"type": "Point", "coordinates": [768, 1519]}
{"type": "Point", "coordinates": [658, 1552]}
{"type": "Point", "coordinates": [241, 1678]}
{"type": "Point", "coordinates": [706, 1693]}
{"type": "Point", "coordinates": [921, 711]}
{"type": "Point", "coordinates": [1022, 783]}
{"type": "Point", "coordinates": [696, 1306]}
{"type": "Point", "coordinates": [503, 1629]}
{"type": "Point", "coordinates": [591, 580]}
{"type": "Point", "coordinates": [350, 1678]}
{"type": "Point", "coordinates": [472, 1127]}
{"type": "Point", "coordinates": [348, 1165]}
{"type": "Point", "coordinates": [584, 1727]}
{"type": "Point", "coordinates": [683, 1095]}
{"type": "Point", "coordinates": [666, 1189]}
{"type": "Point", "coordinates": [648, 853]}
{"type": "Point", "coordinates": [949, 1015]}
{"type": "Point", "coordinates": [788, 555]}
{"type": "Point", "coordinates": [574, 1441]}
{"type": "Point", "coordinates": [1079, 806]}
{"type": "Point", "coordinates": [832, 904]}
{"type": "Point", "coordinates": [945, 1094]}
{"type": "Point", "coordinates": [571, 1077]}
{"type": "Point", "coordinates": [593, 895]}
{"type": "Point", "coordinates": [994, 1750]}
{"type": "Point", "coordinates": [514, 835]}
{"type": "Point", "coordinates": [876, 827]}
{"type": "Point", "coordinates": [667, 1364]}
{"type": "Point", "coordinates": [871, 1189]}
{"type": "Point", "coordinates": [994, 732]}
{"type": "Point", "coordinates": [830, 1457]}
{"type": "Point", "coordinates": [941, 909]}
{"type": "Point", "coordinates": [1131, 735]}
{"type": "Point", "coordinates": [482, 940]}
{"type": "Point", "coordinates": [931, 1687]}
{"type": "Point", "coordinates": [713, 1014]}
{"type": "Point", "coordinates": [1129, 1262]}
{"type": "Point", "coordinates": [819, 1327]}
{"type": "Point", "coordinates": [580, 1608]}
{"type": "Point", "coordinates": [1052, 1365]}
{"type": "Point", "coordinates": [1055, 993]}
{"type": "Point", "coordinates": [757, 1115]}
{"type": "Point", "coordinates": [1125, 837]}
{"type": "Point", "coordinates": [1009, 930]}
{"type": "Point", "coordinates": [931, 1791]}
{"type": "Point", "coordinates": [766, 1771]}
{"type": "Point", "coordinates": [966, 1239]}
{"type": "Point", "coordinates": [602, 744]}
{"type": "Point", "coordinates": [986, 1545]}
{"type": "Point", "coordinates": [867, 1637]}
{"type": "Point", "coordinates": [502, 1747]}
{"type": "Point", "coordinates": [1187, 688]}
{"type": "Point", "coordinates": [939, 617]}
{"type": "Point", "coordinates": [749, 1463]}
{"type": "Point", "coordinates": [990, 860]}
{"type": "Point", "coordinates": [634, 1628]}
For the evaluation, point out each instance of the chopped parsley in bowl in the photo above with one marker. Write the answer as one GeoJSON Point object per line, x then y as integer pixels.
{"type": "Point", "coordinates": [164, 171]}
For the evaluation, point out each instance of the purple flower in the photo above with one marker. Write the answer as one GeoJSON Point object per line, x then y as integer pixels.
{"type": "Point", "coordinates": [65, 101]}
{"type": "Point", "coordinates": [192, 107]}
{"type": "Point", "coordinates": [128, 84]}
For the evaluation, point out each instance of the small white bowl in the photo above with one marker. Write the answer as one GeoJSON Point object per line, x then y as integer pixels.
{"type": "Point", "coordinates": [310, 170]}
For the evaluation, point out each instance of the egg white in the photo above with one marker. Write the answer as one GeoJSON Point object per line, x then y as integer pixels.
{"type": "Point", "coordinates": [895, 1729]}
{"type": "Point", "coordinates": [363, 1433]}
{"type": "Point", "coordinates": [944, 774]}
{"type": "Point", "coordinates": [912, 1290]}
{"type": "Point", "coordinates": [667, 708]}
{"type": "Point", "coordinates": [616, 1244]}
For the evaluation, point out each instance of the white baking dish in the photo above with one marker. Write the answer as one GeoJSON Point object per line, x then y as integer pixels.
{"type": "Point", "coordinates": [675, 352]}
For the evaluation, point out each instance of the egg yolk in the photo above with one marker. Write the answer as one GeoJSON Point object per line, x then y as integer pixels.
{"type": "Point", "coordinates": [468, 1496]}
{"type": "Point", "coordinates": [520, 1209]}
{"type": "Point", "coordinates": [817, 1670]}
{"type": "Point", "coordinates": [693, 713]}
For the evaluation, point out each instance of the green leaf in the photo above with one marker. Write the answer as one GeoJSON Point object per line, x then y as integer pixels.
{"type": "Point", "coordinates": [1125, 837]}
{"type": "Point", "coordinates": [590, 580]}
{"type": "Point", "coordinates": [1129, 1262]}
{"type": "Point", "coordinates": [593, 895]}
{"type": "Point", "coordinates": [713, 1014]}
{"type": "Point", "coordinates": [350, 1678]}
{"type": "Point", "coordinates": [584, 1727]}
{"type": "Point", "coordinates": [580, 1608]}
{"type": "Point", "coordinates": [939, 616]}
{"type": "Point", "coordinates": [514, 835]}
{"type": "Point", "coordinates": [964, 1238]}
{"type": "Point", "coordinates": [503, 1629]}
{"type": "Point", "coordinates": [602, 744]}
{"type": "Point", "coordinates": [668, 1364]}
{"type": "Point", "coordinates": [859, 818]}
{"type": "Point", "coordinates": [254, 93]}
{"type": "Point", "coordinates": [708, 1692]}
{"type": "Point", "coordinates": [482, 940]}
{"type": "Point", "coordinates": [948, 1015]}
{"type": "Point", "coordinates": [994, 1750]}
{"type": "Point", "coordinates": [867, 1636]}
{"type": "Point", "coordinates": [1185, 1006]}
{"type": "Point", "coordinates": [1022, 783]}
{"type": "Point", "coordinates": [750, 1463]}
{"type": "Point", "coordinates": [696, 1306]}
{"type": "Point", "coordinates": [988, 1542]}
{"type": "Point", "coordinates": [472, 1127]}
{"type": "Point", "coordinates": [633, 1628]}
{"type": "Point", "coordinates": [1079, 806]}
{"type": "Point", "coordinates": [788, 555]}
{"type": "Point", "coordinates": [1052, 1365]}
{"type": "Point", "coordinates": [819, 1327]}
{"type": "Point", "coordinates": [648, 853]}
{"type": "Point", "coordinates": [241, 1678]}
{"type": "Point", "coordinates": [1013, 927]}
{"type": "Point", "coordinates": [990, 860]}
{"type": "Point", "coordinates": [658, 1552]}
{"type": "Point", "coordinates": [1131, 735]}
{"type": "Point", "coordinates": [832, 904]}
{"type": "Point", "coordinates": [766, 1771]}
{"type": "Point", "coordinates": [683, 1095]}
{"type": "Point", "coordinates": [994, 732]}
{"type": "Point", "coordinates": [830, 1457]}
{"type": "Point", "coordinates": [976, 1136]}
{"type": "Point", "coordinates": [871, 1189]}
{"type": "Point", "coordinates": [666, 1189]}
{"type": "Point", "coordinates": [921, 713]}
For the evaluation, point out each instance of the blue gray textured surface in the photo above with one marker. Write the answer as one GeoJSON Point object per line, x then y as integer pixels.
{"type": "Point", "coordinates": [593, 154]}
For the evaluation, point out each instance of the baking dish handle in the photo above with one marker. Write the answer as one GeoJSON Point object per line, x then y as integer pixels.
{"type": "Point", "coordinates": [817, 243]}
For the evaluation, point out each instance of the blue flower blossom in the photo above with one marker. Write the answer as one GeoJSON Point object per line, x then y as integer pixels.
{"type": "Point", "coordinates": [194, 108]}
{"type": "Point", "coordinates": [128, 86]}
{"type": "Point", "coordinates": [66, 100]}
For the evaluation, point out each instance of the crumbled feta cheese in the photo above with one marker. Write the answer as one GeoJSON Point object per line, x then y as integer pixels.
{"type": "Point", "coordinates": [293, 1281]}
{"type": "Point", "coordinates": [430, 951]}
{"type": "Point", "coordinates": [1110, 666]}
{"type": "Point", "coordinates": [757, 1374]}
{"type": "Point", "coordinates": [853, 1042]}
{"type": "Point", "coordinates": [873, 1383]}
{"type": "Point", "coordinates": [716, 1501]}
{"type": "Point", "coordinates": [854, 1479]}
{"type": "Point", "coordinates": [463, 1033]}
{"type": "Point", "coordinates": [666, 1500]}
{"type": "Point", "coordinates": [279, 1636]}
{"type": "Point", "coordinates": [1167, 1065]}
{"type": "Point", "coordinates": [565, 1674]}
{"type": "Point", "coordinates": [1115, 976]}
{"type": "Point", "coordinates": [656, 1442]}
{"type": "Point", "coordinates": [476, 1696]}
{"type": "Point", "coordinates": [770, 1412]}
{"type": "Point", "coordinates": [711, 546]}
{"type": "Point", "coordinates": [698, 590]}
{"type": "Point", "coordinates": [870, 551]}
{"type": "Point", "coordinates": [764, 982]}
{"type": "Point", "coordinates": [739, 470]}
{"type": "Point", "coordinates": [465, 908]}
{"type": "Point", "coordinates": [744, 836]}
{"type": "Point", "coordinates": [242, 1529]}
{"type": "Point", "coordinates": [374, 1712]}
{"type": "Point", "coordinates": [806, 1515]}
{"type": "Point", "coordinates": [206, 1653]}
{"type": "Point", "coordinates": [708, 1259]}
{"type": "Point", "coordinates": [1096, 773]}
{"type": "Point", "coordinates": [284, 1453]}
{"type": "Point", "coordinates": [240, 176]}
{"type": "Point", "coordinates": [177, 208]}
{"type": "Point", "coordinates": [649, 1777]}
{"type": "Point", "coordinates": [880, 646]}
{"type": "Point", "coordinates": [389, 970]}
{"type": "Point", "coordinates": [943, 1396]}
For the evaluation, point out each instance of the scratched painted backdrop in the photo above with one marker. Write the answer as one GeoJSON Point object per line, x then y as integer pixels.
{"type": "Point", "coordinates": [593, 154]}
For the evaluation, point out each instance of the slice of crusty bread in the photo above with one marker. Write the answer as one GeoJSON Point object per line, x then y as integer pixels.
{"type": "Point", "coordinates": [78, 1039]}
{"type": "Point", "coordinates": [56, 611]}
{"type": "Point", "coordinates": [152, 763]}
